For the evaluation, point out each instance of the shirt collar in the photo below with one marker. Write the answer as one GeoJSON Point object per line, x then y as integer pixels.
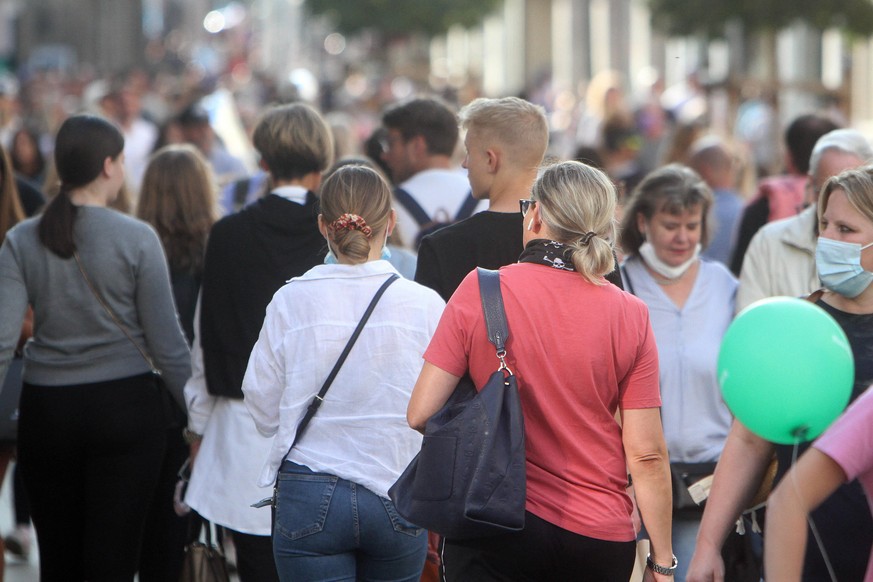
{"type": "Point", "coordinates": [293, 193]}
{"type": "Point", "coordinates": [338, 271]}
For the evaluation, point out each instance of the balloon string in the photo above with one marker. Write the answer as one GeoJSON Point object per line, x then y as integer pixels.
{"type": "Point", "coordinates": [809, 519]}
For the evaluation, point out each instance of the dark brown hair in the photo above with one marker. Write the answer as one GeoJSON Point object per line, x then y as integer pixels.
{"type": "Point", "coordinates": [83, 144]}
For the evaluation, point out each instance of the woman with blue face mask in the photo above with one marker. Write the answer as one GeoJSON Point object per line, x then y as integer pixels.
{"type": "Point", "coordinates": [845, 232]}
{"type": "Point", "coordinates": [844, 262]}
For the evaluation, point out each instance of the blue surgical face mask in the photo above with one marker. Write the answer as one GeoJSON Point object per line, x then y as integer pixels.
{"type": "Point", "coordinates": [839, 267]}
{"type": "Point", "coordinates": [330, 258]}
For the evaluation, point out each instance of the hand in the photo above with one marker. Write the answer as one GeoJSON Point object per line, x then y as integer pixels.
{"type": "Point", "coordinates": [706, 564]}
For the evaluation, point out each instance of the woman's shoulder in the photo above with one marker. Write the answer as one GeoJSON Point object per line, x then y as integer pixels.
{"type": "Point", "coordinates": [26, 228]}
{"type": "Point", "coordinates": [719, 274]}
{"type": "Point", "coordinates": [419, 292]}
{"type": "Point", "coordinates": [114, 219]}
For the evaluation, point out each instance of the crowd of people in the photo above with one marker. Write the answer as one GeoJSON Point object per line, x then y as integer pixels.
{"type": "Point", "coordinates": [172, 302]}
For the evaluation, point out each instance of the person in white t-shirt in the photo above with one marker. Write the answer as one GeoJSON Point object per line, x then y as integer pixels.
{"type": "Point", "coordinates": [420, 140]}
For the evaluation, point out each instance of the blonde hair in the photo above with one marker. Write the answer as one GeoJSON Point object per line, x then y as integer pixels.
{"type": "Point", "coordinates": [293, 141]}
{"type": "Point", "coordinates": [518, 125]}
{"type": "Point", "coordinates": [577, 203]}
{"type": "Point", "coordinates": [355, 189]}
{"type": "Point", "coordinates": [178, 198]}
{"type": "Point", "coordinates": [857, 183]}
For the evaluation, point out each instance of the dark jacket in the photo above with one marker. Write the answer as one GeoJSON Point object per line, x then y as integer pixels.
{"type": "Point", "coordinates": [249, 256]}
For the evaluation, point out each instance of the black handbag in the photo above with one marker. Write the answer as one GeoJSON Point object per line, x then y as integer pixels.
{"type": "Point", "coordinates": [469, 479]}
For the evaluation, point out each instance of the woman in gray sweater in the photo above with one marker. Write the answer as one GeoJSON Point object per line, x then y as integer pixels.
{"type": "Point", "coordinates": [92, 416]}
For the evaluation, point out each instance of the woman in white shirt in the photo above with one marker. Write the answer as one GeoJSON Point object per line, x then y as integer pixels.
{"type": "Point", "coordinates": [333, 516]}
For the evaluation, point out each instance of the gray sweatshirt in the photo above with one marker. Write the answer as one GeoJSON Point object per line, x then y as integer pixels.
{"type": "Point", "coordinates": [74, 340]}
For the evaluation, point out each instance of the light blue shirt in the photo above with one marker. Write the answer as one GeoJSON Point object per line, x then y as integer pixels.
{"type": "Point", "coordinates": [695, 418]}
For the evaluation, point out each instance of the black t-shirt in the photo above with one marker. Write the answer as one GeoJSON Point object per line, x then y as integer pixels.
{"type": "Point", "coordinates": [488, 239]}
{"type": "Point", "coordinates": [843, 520]}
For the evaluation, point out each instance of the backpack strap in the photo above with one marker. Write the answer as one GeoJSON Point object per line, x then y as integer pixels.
{"type": "Point", "coordinates": [467, 208]}
{"type": "Point", "coordinates": [412, 206]}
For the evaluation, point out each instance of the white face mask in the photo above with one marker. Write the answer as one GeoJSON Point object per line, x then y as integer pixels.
{"type": "Point", "coordinates": [647, 252]}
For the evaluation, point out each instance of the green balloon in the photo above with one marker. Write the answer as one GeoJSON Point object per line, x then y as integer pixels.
{"type": "Point", "coordinates": [786, 369]}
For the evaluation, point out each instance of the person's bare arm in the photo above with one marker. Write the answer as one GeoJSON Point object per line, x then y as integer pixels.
{"type": "Point", "coordinates": [738, 476]}
{"type": "Point", "coordinates": [649, 466]}
{"type": "Point", "coordinates": [804, 487]}
{"type": "Point", "coordinates": [432, 389]}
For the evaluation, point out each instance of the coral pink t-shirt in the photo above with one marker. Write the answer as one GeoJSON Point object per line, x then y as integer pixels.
{"type": "Point", "coordinates": [579, 351]}
{"type": "Point", "coordinates": [849, 442]}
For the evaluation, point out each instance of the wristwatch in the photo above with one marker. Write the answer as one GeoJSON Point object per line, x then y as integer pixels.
{"type": "Point", "coordinates": [658, 569]}
{"type": "Point", "coordinates": [190, 437]}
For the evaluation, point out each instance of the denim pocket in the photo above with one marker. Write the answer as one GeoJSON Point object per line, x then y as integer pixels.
{"type": "Point", "coordinates": [302, 503]}
{"type": "Point", "coordinates": [400, 525]}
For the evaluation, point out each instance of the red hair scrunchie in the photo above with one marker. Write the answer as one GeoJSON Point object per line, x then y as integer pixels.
{"type": "Point", "coordinates": [349, 221]}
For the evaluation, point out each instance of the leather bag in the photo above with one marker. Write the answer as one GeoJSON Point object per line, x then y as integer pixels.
{"type": "Point", "coordinates": [204, 561]}
{"type": "Point", "coordinates": [469, 479]}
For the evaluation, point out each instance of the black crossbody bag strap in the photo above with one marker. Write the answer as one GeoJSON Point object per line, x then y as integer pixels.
{"type": "Point", "coordinates": [319, 398]}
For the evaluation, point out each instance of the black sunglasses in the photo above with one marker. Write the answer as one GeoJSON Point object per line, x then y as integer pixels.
{"type": "Point", "coordinates": [525, 205]}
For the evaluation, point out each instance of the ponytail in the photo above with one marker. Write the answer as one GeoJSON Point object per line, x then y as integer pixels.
{"type": "Point", "coordinates": [56, 225]}
{"type": "Point", "coordinates": [81, 147]}
{"type": "Point", "coordinates": [593, 257]}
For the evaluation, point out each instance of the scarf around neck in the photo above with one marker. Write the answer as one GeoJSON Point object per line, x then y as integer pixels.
{"type": "Point", "coordinates": [549, 253]}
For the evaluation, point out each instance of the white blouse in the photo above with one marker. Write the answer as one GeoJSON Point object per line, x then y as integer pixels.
{"type": "Point", "coordinates": [360, 432]}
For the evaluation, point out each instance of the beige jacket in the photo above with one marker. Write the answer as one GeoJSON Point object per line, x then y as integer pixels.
{"type": "Point", "coordinates": [780, 260]}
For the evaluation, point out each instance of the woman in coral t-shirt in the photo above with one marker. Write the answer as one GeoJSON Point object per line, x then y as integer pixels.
{"type": "Point", "coordinates": [583, 351]}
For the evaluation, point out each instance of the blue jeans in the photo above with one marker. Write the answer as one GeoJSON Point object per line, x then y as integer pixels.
{"type": "Point", "coordinates": [330, 529]}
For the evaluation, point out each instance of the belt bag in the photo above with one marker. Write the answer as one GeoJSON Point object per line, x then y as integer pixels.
{"type": "Point", "coordinates": [469, 480]}
{"type": "Point", "coordinates": [684, 475]}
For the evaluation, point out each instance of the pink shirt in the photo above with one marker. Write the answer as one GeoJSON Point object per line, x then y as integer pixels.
{"type": "Point", "coordinates": [579, 352]}
{"type": "Point", "coordinates": [849, 442]}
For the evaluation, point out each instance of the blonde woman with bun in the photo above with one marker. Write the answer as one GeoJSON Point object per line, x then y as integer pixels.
{"type": "Point", "coordinates": [583, 352]}
{"type": "Point", "coordinates": [333, 519]}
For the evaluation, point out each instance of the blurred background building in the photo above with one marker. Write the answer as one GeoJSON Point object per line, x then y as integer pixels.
{"type": "Point", "coordinates": [572, 56]}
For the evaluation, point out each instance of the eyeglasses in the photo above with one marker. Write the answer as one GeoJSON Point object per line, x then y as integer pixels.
{"type": "Point", "coordinates": [525, 205]}
{"type": "Point", "coordinates": [386, 142]}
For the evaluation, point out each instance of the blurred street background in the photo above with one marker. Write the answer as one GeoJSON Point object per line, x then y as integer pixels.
{"type": "Point", "coordinates": [740, 69]}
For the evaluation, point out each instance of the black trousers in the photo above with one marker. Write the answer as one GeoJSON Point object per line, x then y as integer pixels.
{"type": "Point", "coordinates": [166, 534]}
{"type": "Point", "coordinates": [541, 551]}
{"type": "Point", "coordinates": [90, 456]}
{"type": "Point", "coordinates": [254, 557]}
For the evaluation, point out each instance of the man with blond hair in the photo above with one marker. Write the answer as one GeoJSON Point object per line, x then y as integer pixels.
{"type": "Point", "coordinates": [505, 140]}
